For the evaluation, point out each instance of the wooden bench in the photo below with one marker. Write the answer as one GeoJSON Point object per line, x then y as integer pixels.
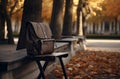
{"type": "Point", "coordinates": [15, 64]}
{"type": "Point", "coordinates": [79, 39]}
{"type": "Point", "coordinates": [8, 55]}
{"type": "Point", "coordinates": [49, 58]}
{"type": "Point", "coordinates": [71, 42]}
{"type": "Point", "coordinates": [37, 31]}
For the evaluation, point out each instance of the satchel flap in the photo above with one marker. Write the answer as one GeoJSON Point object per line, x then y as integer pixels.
{"type": "Point", "coordinates": [42, 30]}
{"type": "Point", "coordinates": [47, 30]}
{"type": "Point", "coordinates": [40, 36]}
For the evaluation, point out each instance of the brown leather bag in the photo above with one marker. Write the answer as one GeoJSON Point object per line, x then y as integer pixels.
{"type": "Point", "coordinates": [37, 41]}
{"type": "Point", "coordinates": [47, 46]}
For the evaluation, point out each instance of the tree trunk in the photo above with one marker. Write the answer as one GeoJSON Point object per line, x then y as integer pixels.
{"type": "Point", "coordinates": [57, 19]}
{"type": "Point", "coordinates": [8, 21]}
{"type": "Point", "coordinates": [32, 12]}
{"type": "Point", "coordinates": [116, 32]}
{"type": "Point", "coordinates": [2, 23]}
{"type": "Point", "coordinates": [68, 24]}
{"type": "Point", "coordinates": [9, 29]}
{"type": "Point", "coordinates": [9, 26]}
{"type": "Point", "coordinates": [79, 19]}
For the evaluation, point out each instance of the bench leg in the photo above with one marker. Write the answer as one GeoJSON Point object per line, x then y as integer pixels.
{"type": "Point", "coordinates": [42, 69]}
{"type": "Point", "coordinates": [63, 68]}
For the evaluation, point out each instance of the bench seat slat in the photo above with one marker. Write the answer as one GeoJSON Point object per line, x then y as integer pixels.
{"type": "Point", "coordinates": [55, 54]}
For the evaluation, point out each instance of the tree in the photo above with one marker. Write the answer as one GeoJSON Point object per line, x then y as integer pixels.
{"type": "Point", "coordinates": [79, 18]}
{"type": "Point", "coordinates": [111, 9]}
{"type": "Point", "coordinates": [32, 12]}
{"type": "Point", "coordinates": [86, 10]}
{"type": "Point", "coordinates": [6, 11]}
{"type": "Point", "coordinates": [2, 19]}
{"type": "Point", "coordinates": [57, 18]}
{"type": "Point", "coordinates": [106, 10]}
{"type": "Point", "coordinates": [6, 17]}
{"type": "Point", "coordinates": [68, 23]}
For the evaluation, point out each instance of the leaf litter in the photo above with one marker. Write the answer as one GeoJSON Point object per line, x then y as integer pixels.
{"type": "Point", "coordinates": [92, 65]}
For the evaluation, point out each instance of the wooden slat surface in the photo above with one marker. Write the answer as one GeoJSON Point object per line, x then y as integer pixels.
{"type": "Point", "coordinates": [8, 53]}
{"type": "Point", "coordinates": [22, 69]}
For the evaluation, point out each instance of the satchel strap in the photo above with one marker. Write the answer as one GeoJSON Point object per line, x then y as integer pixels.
{"type": "Point", "coordinates": [38, 30]}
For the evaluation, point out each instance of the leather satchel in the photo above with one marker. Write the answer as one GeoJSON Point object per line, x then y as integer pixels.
{"type": "Point", "coordinates": [37, 42]}
{"type": "Point", "coordinates": [45, 46]}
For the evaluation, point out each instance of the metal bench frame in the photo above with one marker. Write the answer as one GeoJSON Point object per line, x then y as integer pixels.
{"type": "Point", "coordinates": [49, 58]}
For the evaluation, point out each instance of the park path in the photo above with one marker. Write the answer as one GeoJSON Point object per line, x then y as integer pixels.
{"type": "Point", "coordinates": [103, 44]}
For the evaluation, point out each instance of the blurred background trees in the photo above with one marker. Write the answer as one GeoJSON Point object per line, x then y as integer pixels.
{"type": "Point", "coordinates": [7, 9]}
{"type": "Point", "coordinates": [111, 11]}
{"type": "Point", "coordinates": [66, 17]}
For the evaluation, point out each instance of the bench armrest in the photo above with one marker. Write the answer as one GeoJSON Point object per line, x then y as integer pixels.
{"type": "Point", "coordinates": [42, 40]}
